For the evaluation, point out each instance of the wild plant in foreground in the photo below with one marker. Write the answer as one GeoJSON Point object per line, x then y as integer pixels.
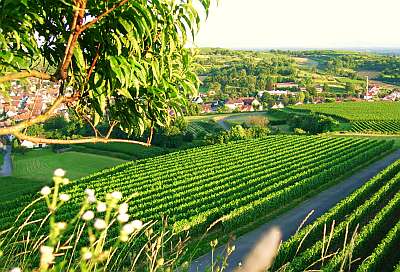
{"type": "Point", "coordinates": [102, 236]}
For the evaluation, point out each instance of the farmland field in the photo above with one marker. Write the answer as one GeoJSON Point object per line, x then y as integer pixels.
{"type": "Point", "coordinates": [382, 126]}
{"type": "Point", "coordinates": [238, 181]}
{"type": "Point", "coordinates": [357, 111]}
{"type": "Point", "coordinates": [363, 116]}
{"type": "Point", "coordinates": [371, 211]}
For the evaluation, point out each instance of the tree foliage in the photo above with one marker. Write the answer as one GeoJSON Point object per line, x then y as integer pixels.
{"type": "Point", "coordinates": [120, 61]}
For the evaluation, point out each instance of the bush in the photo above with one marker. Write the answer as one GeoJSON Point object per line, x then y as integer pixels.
{"type": "Point", "coordinates": [299, 131]}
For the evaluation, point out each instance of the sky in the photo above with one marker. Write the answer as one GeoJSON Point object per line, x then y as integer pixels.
{"type": "Point", "coordinates": [301, 24]}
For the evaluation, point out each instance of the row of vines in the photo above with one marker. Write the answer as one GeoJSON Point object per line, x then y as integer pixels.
{"type": "Point", "coordinates": [382, 117]}
{"type": "Point", "coordinates": [357, 111]}
{"type": "Point", "coordinates": [361, 233]}
{"type": "Point", "coordinates": [374, 126]}
{"type": "Point", "coordinates": [238, 181]}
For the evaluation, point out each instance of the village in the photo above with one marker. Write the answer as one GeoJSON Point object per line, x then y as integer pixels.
{"type": "Point", "coordinates": [281, 90]}
{"type": "Point", "coordinates": [26, 101]}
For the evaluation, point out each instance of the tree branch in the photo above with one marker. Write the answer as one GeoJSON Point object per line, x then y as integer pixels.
{"type": "Point", "coordinates": [104, 14]}
{"type": "Point", "coordinates": [77, 31]}
{"type": "Point", "coordinates": [93, 63]}
{"type": "Point", "coordinates": [73, 38]}
{"type": "Point", "coordinates": [114, 123]}
{"type": "Point", "coordinates": [150, 138]}
{"type": "Point", "coordinates": [94, 140]}
{"type": "Point", "coordinates": [25, 74]}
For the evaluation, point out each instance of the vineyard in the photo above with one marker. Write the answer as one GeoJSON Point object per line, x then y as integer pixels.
{"type": "Point", "coordinates": [364, 116]}
{"type": "Point", "coordinates": [382, 126]}
{"type": "Point", "coordinates": [240, 181]}
{"type": "Point", "coordinates": [357, 111]}
{"type": "Point", "coordinates": [365, 224]}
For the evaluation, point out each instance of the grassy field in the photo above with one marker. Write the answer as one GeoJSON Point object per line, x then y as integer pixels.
{"type": "Point", "coordinates": [240, 116]}
{"type": "Point", "coordinates": [35, 168]}
{"type": "Point", "coordinates": [130, 151]}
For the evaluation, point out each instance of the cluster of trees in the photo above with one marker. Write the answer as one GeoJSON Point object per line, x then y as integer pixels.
{"type": "Point", "coordinates": [348, 63]}
{"type": "Point", "coordinates": [232, 74]}
{"type": "Point", "coordinates": [312, 123]}
{"type": "Point", "coordinates": [238, 132]}
{"type": "Point", "coordinates": [241, 75]}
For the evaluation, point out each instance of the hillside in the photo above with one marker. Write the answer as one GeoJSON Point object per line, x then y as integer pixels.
{"type": "Point", "coordinates": [241, 182]}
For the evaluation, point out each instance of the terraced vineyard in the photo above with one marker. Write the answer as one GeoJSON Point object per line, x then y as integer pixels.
{"type": "Point", "coordinates": [240, 181]}
{"type": "Point", "coordinates": [364, 116]}
{"type": "Point", "coordinates": [372, 212]}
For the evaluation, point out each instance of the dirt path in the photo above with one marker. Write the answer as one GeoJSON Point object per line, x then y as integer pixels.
{"type": "Point", "coordinates": [6, 169]}
{"type": "Point", "coordinates": [289, 221]}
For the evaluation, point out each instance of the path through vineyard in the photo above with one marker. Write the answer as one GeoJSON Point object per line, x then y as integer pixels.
{"type": "Point", "coordinates": [6, 169]}
{"type": "Point", "coordinates": [289, 221]}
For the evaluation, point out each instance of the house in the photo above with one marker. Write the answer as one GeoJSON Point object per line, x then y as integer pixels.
{"type": "Point", "coordinates": [243, 104]}
{"type": "Point", "coordinates": [278, 92]}
{"type": "Point", "coordinates": [278, 106]}
{"type": "Point", "coordinates": [30, 145]}
{"type": "Point", "coordinates": [252, 101]}
{"type": "Point", "coordinates": [371, 93]}
{"type": "Point", "coordinates": [392, 97]}
{"type": "Point", "coordinates": [286, 85]}
{"type": "Point", "coordinates": [247, 108]}
{"type": "Point", "coordinates": [197, 100]}
{"type": "Point", "coordinates": [233, 104]}
{"type": "Point", "coordinates": [206, 108]}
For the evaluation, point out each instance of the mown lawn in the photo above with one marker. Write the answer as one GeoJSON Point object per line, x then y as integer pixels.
{"type": "Point", "coordinates": [35, 169]}
{"type": "Point", "coordinates": [132, 150]}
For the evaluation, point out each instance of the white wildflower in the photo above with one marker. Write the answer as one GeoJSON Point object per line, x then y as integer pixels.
{"type": "Point", "coordinates": [88, 215]}
{"type": "Point", "coordinates": [128, 228]}
{"type": "Point", "coordinates": [116, 195]}
{"type": "Point", "coordinates": [101, 207]}
{"type": "Point", "coordinates": [89, 192]}
{"type": "Point", "coordinates": [87, 255]}
{"type": "Point", "coordinates": [59, 173]}
{"type": "Point", "coordinates": [123, 217]}
{"type": "Point", "coordinates": [16, 269]}
{"type": "Point", "coordinates": [65, 181]}
{"type": "Point", "coordinates": [45, 191]}
{"type": "Point", "coordinates": [65, 197]}
{"type": "Point", "coordinates": [91, 199]}
{"type": "Point", "coordinates": [100, 224]}
{"type": "Point", "coordinates": [123, 208]}
{"type": "Point", "coordinates": [137, 224]}
{"type": "Point", "coordinates": [46, 250]}
{"type": "Point", "coordinates": [47, 256]}
{"type": "Point", "coordinates": [61, 225]}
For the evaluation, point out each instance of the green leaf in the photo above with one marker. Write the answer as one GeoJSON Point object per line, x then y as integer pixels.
{"type": "Point", "coordinates": [124, 92]}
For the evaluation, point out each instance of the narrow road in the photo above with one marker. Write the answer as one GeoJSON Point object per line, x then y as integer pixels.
{"type": "Point", "coordinates": [6, 169]}
{"type": "Point", "coordinates": [223, 124]}
{"type": "Point", "coordinates": [289, 221]}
